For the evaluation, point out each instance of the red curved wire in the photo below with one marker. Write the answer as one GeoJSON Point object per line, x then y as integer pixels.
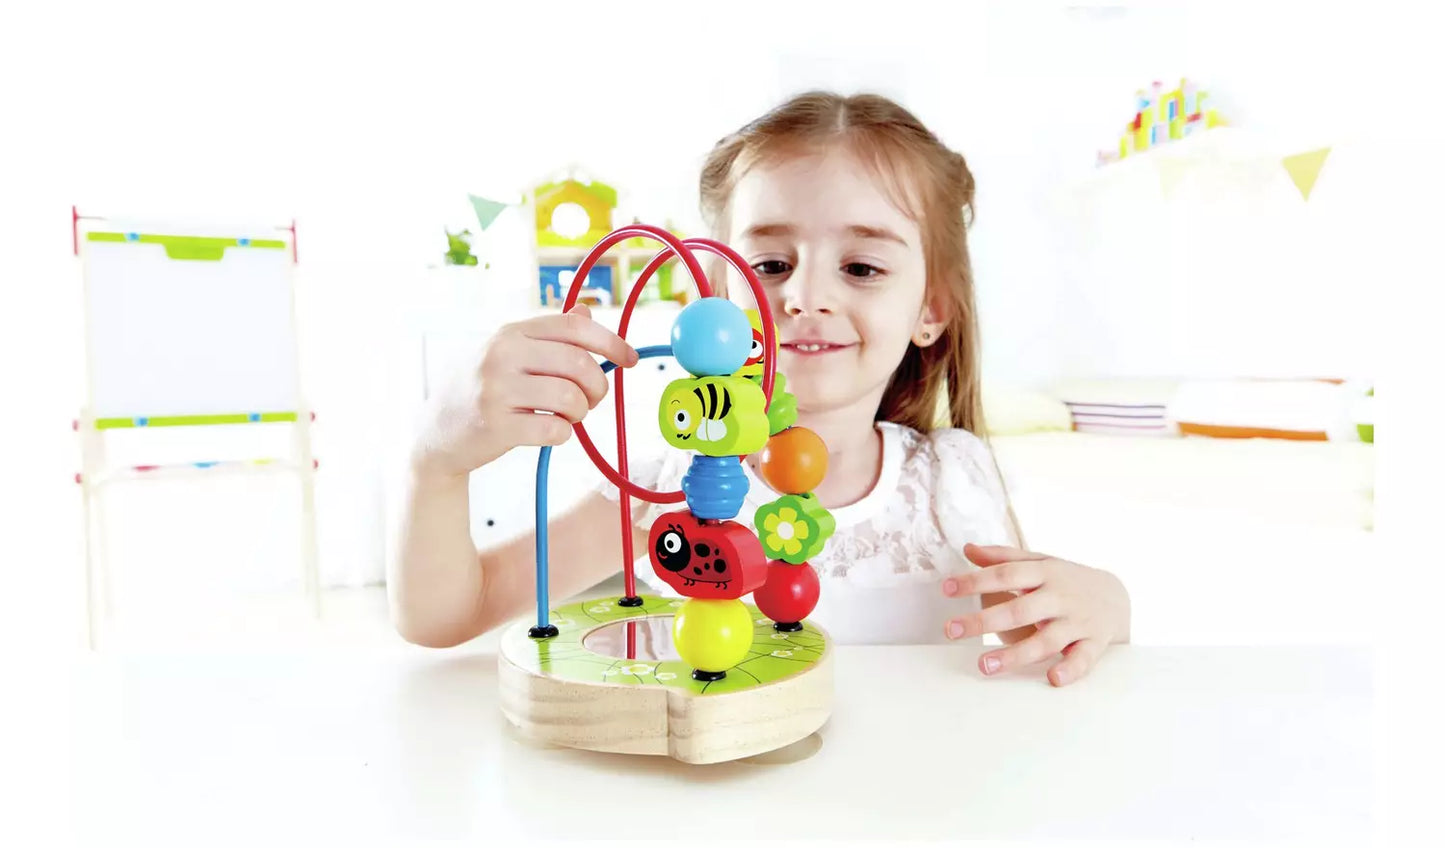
{"type": "Point", "coordinates": [618, 403]}
{"type": "Point", "coordinates": [682, 250]}
{"type": "Point", "coordinates": [704, 290]}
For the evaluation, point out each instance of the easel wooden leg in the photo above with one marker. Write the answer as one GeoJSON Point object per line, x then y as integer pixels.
{"type": "Point", "coordinates": [92, 601]}
{"type": "Point", "coordinates": [99, 594]}
{"type": "Point", "coordinates": [310, 564]}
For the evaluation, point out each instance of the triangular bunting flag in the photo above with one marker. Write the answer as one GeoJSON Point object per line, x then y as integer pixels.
{"type": "Point", "coordinates": [487, 210]}
{"type": "Point", "coordinates": [1171, 172]}
{"type": "Point", "coordinates": [1304, 169]}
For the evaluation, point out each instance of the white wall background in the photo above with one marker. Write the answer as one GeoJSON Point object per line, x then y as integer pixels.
{"type": "Point", "coordinates": [370, 126]}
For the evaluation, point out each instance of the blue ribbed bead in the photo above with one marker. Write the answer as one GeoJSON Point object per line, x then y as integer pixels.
{"type": "Point", "coordinates": [715, 487]}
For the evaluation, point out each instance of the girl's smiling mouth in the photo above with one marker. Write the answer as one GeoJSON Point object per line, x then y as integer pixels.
{"type": "Point", "coordinates": [813, 347]}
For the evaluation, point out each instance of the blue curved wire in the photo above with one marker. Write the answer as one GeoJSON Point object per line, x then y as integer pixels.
{"type": "Point", "coordinates": [544, 458]}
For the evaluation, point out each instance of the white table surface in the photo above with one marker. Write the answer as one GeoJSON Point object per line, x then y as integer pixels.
{"type": "Point", "coordinates": [331, 744]}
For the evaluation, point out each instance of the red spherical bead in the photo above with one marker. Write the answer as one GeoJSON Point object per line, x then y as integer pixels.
{"type": "Point", "coordinates": [790, 593]}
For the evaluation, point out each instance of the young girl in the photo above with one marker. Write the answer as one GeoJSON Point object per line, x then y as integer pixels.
{"type": "Point", "coordinates": [854, 216]}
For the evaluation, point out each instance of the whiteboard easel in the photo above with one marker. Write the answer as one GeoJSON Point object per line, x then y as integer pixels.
{"type": "Point", "coordinates": [187, 327]}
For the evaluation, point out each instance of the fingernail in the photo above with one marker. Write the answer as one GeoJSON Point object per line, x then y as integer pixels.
{"type": "Point", "coordinates": [950, 586]}
{"type": "Point", "coordinates": [955, 630]}
{"type": "Point", "coordinates": [990, 665]}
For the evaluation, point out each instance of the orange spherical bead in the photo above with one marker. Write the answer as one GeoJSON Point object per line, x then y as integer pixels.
{"type": "Point", "coordinates": [794, 461]}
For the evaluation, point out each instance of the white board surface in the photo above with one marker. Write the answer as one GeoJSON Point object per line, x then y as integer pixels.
{"type": "Point", "coordinates": [189, 337]}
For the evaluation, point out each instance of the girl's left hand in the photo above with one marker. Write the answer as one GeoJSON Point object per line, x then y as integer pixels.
{"type": "Point", "coordinates": [1057, 607]}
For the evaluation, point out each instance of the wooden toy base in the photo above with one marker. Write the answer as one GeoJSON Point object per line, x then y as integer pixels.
{"type": "Point", "coordinates": [584, 689]}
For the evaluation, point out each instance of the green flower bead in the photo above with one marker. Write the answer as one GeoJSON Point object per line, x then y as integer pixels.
{"type": "Point", "coordinates": [793, 528]}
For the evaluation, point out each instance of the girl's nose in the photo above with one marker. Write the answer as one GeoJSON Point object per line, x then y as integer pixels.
{"type": "Point", "coordinates": [808, 291]}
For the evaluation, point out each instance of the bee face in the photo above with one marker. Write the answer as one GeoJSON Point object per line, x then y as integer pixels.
{"type": "Point", "coordinates": [682, 412]}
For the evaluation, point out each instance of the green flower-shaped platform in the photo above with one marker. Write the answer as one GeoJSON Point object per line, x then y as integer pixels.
{"type": "Point", "coordinates": [773, 656]}
{"type": "Point", "coordinates": [561, 691]}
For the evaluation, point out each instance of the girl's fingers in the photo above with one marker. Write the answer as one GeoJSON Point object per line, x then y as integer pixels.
{"type": "Point", "coordinates": [1049, 640]}
{"type": "Point", "coordinates": [539, 430]}
{"type": "Point", "coordinates": [1079, 659]}
{"type": "Point", "coordinates": [1009, 615]}
{"type": "Point", "coordinates": [987, 555]}
{"type": "Point", "coordinates": [550, 394]}
{"type": "Point", "coordinates": [557, 359]}
{"type": "Point", "coordinates": [578, 328]}
{"type": "Point", "coordinates": [1020, 576]}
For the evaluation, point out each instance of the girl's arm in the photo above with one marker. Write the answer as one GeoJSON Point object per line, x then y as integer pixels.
{"type": "Point", "coordinates": [444, 592]}
{"type": "Point", "coordinates": [534, 380]}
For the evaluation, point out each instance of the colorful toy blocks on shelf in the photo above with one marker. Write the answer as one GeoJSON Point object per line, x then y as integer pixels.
{"type": "Point", "coordinates": [1161, 117]}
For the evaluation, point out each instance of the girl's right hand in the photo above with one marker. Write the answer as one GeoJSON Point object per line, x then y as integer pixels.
{"type": "Point", "coordinates": [535, 379]}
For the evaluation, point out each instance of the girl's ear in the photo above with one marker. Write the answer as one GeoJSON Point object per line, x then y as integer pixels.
{"type": "Point", "coordinates": [931, 320]}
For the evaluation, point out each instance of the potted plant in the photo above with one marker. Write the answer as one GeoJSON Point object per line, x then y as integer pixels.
{"type": "Point", "coordinates": [459, 249]}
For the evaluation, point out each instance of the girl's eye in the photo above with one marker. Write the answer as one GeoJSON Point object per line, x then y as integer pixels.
{"type": "Point", "coordinates": [771, 268]}
{"type": "Point", "coordinates": [861, 269]}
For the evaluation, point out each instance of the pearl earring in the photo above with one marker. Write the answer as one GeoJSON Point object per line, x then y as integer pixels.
{"type": "Point", "coordinates": [927, 335]}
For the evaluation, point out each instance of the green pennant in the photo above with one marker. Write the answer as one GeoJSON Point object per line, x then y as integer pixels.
{"type": "Point", "coordinates": [487, 210]}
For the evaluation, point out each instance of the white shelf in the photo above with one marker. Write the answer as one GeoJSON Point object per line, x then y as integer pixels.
{"type": "Point", "coordinates": [1221, 147]}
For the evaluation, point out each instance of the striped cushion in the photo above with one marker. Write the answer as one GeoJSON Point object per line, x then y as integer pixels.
{"type": "Point", "coordinates": [1123, 406]}
{"type": "Point", "coordinates": [1123, 419]}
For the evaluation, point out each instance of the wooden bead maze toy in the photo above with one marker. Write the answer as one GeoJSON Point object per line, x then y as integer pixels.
{"type": "Point", "coordinates": [705, 677]}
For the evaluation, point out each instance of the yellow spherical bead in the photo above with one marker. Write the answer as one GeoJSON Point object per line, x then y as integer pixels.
{"type": "Point", "coordinates": [712, 635]}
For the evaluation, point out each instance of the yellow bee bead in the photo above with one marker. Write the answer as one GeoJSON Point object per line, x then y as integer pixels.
{"type": "Point", "coordinates": [715, 416]}
{"type": "Point", "coordinates": [712, 636]}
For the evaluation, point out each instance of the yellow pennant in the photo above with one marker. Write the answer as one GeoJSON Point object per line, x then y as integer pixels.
{"type": "Point", "coordinates": [1304, 169]}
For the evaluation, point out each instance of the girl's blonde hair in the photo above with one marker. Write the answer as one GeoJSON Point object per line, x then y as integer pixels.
{"type": "Point", "coordinates": [928, 180]}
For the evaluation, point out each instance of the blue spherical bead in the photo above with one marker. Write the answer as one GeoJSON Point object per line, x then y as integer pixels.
{"type": "Point", "coordinates": [715, 487]}
{"type": "Point", "coordinates": [711, 337]}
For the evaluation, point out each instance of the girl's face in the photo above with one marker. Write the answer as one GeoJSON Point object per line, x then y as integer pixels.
{"type": "Point", "coordinates": [843, 271]}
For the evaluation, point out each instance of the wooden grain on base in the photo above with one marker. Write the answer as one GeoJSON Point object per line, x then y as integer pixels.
{"type": "Point", "coordinates": [656, 719]}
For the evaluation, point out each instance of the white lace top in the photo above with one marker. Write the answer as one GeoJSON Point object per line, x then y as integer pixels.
{"type": "Point", "coordinates": [881, 571]}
